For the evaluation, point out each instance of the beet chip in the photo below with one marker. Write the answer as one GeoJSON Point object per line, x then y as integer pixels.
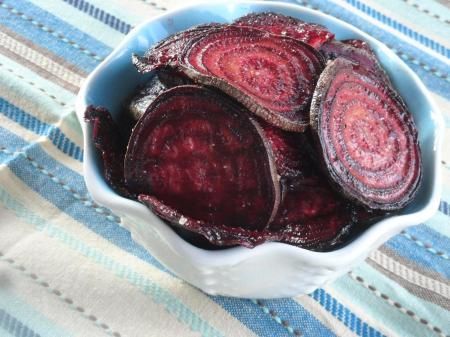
{"type": "Point", "coordinates": [198, 152]}
{"type": "Point", "coordinates": [366, 136]}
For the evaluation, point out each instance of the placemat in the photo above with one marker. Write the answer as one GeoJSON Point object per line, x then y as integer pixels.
{"type": "Point", "coordinates": [68, 269]}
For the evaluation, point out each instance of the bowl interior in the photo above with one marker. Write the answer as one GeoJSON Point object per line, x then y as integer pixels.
{"type": "Point", "coordinates": [116, 78]}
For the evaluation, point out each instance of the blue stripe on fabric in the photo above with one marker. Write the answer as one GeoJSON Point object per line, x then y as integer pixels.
{"type": "Point", "coordinates": [299, 317]}
{"type": "Point", "coordinates": [62, 198]}
{"type": "Point", "coordinates": [348, 318]}
{"type": "Point", "coordinates": [444, 207]}
{"type": "Point", "coordinates": [57, 137]}
{"type": "Point", "coordinates": [26, 24]}
{"type": "Point", "coordinates": [101, 15]}
{"type": "Point", "coordinates": [14, 326]}
{"type": "Point", "coordinates": [416, 59]}
{"type": "Point", "coordinates": [433, 241]}
{"type": "Point", "coordinates": [253, 317]}
{"type": "Point", "coordinates": [409, 249]}
{"type": "Point", "coordinates": [400, 27]}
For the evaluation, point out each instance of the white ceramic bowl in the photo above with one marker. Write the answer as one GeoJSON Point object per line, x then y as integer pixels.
{"type": "Point", "coordinates": [272, 269]}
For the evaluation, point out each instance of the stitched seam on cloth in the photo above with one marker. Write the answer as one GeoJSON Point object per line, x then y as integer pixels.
{"type": "Point", "coordinates": [67, 300]}
{"type": "Point", "coordinates": [99, 14]}
{"type": "Point", "coordinates": [426, 11]}
{"type": "Point", "coordinates": [51, 31]}
{"type": "Point", "coordinates": [425, 246]}
{"type": "Point", "coordinates": [14, 326]}
{"type": "Point", "coordinates": [409, 275]}
{"type": "Point", "coordinates": [403, 29]}
{"type": "Point", "coordinates": [53, 97]}
{"type": "Point", "coordinates": [403, 55]}
{"type": "Point", "coordinates": [343, 314]}
{"type": "Point", "coordinates": [159, 295]}
{"type": "Point", "coordinates": [397, 305]}
{"type": "Point", "coordinates": [153, 4]}
{"type": "Point", "coordinates": [87, 202]}
{"type": "Point", "coordinates": [272, 313]}
{"type": "Point", "coordinates": [40, 60]}
{"type": "Point", "coordinates": [54, 134]}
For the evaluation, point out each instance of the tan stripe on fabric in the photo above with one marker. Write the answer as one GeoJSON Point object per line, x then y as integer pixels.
{"type": "Point", "coordinates": [42, 51]}
{"type": "Point", "coordinates": [411, 280]}
{"type": "Point", "coordinates": [33, 67]}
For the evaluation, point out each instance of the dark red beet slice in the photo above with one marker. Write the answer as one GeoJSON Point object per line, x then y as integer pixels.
{"type": "Point", "coordinates": [311, 214]}
{"type": "Point", "coordinates": [166, 52]}
{"type": "Point", "coordinates": [108, 141]}
{"type": "Point", "coordinates": [199, 152]}
{"type": "Point", "coordinates": [160, 82]}
{"type": "Point", "coordinates": [356, 51]}
{"type": "Point", "coordinates": [272, 76]}
{"type": "Point", "coordinates": [367, 137]}
{"type": "Point", "coordinates": [310, 33]}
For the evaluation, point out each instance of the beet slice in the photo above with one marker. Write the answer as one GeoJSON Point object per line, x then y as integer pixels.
{"type": "Point", "coordinates": [107, 139]}
{"type": "Point", "coordinates": [167, 51]}
{"type": "Point", "coordinates": [310, 33]}
{"type": "Point", "coordinates": [356, 51]}
{"type": "Point", "coordinates": [200, 153]}
{"type": "Point", "coordinates": [159, 82]}
{"type": "Point", "coordinates": [366, 136]}
{"type": "Point", "coordinates": [272, 76]}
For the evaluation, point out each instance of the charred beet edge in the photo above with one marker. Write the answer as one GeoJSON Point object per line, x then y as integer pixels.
{"type": "Point", "coordinates": [200, 153]}
{"type": "Point", "coordinates": [356, 51]}
{"type": "Point", "coordinates": [366, 136]}
{"type": "Point", "coordinates": [166, 52]}
{"type": "Point", "coordinates": [108, 140]}
{"type": "Point", "coordinates": [313, 34]}
{"type": "Point", "coordinates": [162, 80]}
{"type": "Point", "coordinates": [272, 76]}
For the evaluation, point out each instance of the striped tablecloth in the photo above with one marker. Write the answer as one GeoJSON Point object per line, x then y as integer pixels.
{"type": "Point", "coordinates": [68, 269]}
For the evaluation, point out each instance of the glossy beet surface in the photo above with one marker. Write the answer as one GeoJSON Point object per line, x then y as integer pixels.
{"type": "Point", "coordinates": [366, 136]}
{"type": "Point", "coordinates": [313, 34]}
{"type": "Point", "coordinates": [201, 154]}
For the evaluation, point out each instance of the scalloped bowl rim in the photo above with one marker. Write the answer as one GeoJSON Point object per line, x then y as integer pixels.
{"type": "Point", "coordinates": [360, 246]}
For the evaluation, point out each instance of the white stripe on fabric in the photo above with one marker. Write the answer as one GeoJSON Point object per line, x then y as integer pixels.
{"type": "Point", "coordinates": [410, 275]}
{"type": "Point", "coordinates": [204, 306]}
{"type": "Point", "coordinates": [40, 60]}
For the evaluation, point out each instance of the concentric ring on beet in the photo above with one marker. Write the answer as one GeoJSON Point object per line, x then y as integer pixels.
{"type": "Point", "coordinates": [273, 76]}
{"type": "Point", "coordinates": [200, 153]}
{"type": "Point", "coordinates": [367, 137]}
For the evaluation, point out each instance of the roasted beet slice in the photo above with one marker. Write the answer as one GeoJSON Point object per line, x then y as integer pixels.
{"type": "Point", "coordinates": [273, 76]}
{"type": "Point", "coordinates": [310, 33]}
{"type": "Point", "coordinates": [356, 51]}
{"type": "Point", "coordinates": [159, 82]}
{"type": "Point", "coordinates": [166, 52]}
{"type": "Point", "coordinates": [366, 136]}
{"type": "Point", "coordinates": [107, 139]}
{"type": "Point", "coordinates": [200, 153]}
